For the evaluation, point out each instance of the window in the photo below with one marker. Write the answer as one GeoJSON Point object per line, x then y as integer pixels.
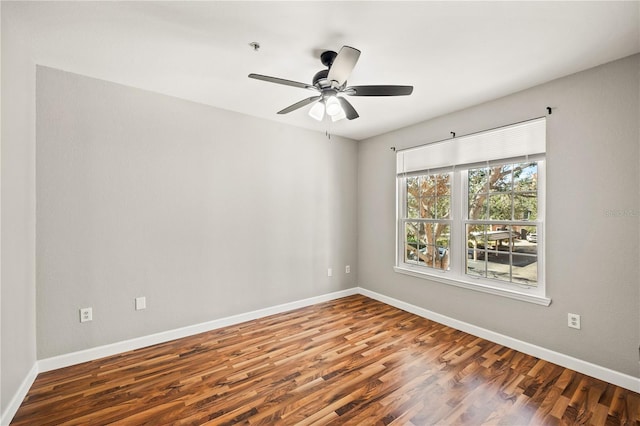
{"type": "Point", "coordinates": [427, 225]}
{"type": "Point", "coordinates": [501, 212]}
{"type": "Point", "coordinates": [470, 218]}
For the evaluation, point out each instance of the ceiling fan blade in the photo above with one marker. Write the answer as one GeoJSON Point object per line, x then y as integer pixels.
{"type": "Point", "coordinates": [343, 64]}
{"type": "Point", "coordinates": [348, 109]}
{"type": "Point", "coordinates": [378, 90]}
{"type": "Point", "coordinates": [282, 81]}
{"type": "Point", "coordinates": [299, 104]}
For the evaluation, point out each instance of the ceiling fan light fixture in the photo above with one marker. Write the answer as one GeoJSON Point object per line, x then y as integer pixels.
{"type": "Point", "coordinates": [317, 111]}
{"type": "Point", "coordinates": [333, 106]}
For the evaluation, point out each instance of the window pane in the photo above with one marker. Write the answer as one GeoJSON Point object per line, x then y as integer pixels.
{"type": "Point", "coordinates": [478, 206]}
{"type": "Point", "coordinates": [500, 206]}
{"type": "Point", "coordinates": [477, 180]}
{"type": "Point", "coordinates": [441, 210]}
{"type": "Point", "coordinates": [500, 236]}
{"type": "Point", "coordinates": [412, 254]}
{"type": "Point", "coordinates": [442, 242]}
{"type": "Point", "coordinates": [427, 185]}
{"type": "Point", "coordinates": [427, 208]}
{"type": "Point", "coordinates": [444, 182]}
{"type": "Point", "coordinates": [413, 197]}
{"type": "Point", "coordinates": [525, 206]}
{"type": "Point", "coordinates": [412, 186]}
{"type": "Point", "coordinates": [426, 234]}
{"type": "Point", "coordinates": [498, 266]}
{"type": "Point", "coordinates": [476, 235]}
{"type": "Point", "coordinates": [412, 206]}
{"type": "Point", "coordinates": [442, 235]}
{"type": "Point", "coordinates": [525, 269]}
{"type": "Point", "coordinates": [530, 235]}
{"type": "Point", "coordinates": [500, 179]}
{"type": "Point", "coordinates": [475, 265]}
{"type": "Point", "coordinates": [525, 177]}
{"type": "Point", "coordinates": [477, 183]}
{"type": "Point", "coordinates": [426, 255]}
{"type": "Point", "coordinates": [411, 242]}
{"type": "Point", "coordinates": [411, 231]}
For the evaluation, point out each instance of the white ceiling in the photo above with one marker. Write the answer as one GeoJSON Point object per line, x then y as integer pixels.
{"type": "Point", "coordinates": [455, 54]}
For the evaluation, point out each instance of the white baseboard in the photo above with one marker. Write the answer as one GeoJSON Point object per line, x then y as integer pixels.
{"type": "Point", "coordinates": [17, 399]}
{"type": "Point", "coordinates": [91, 354]}
{"type": "Point", "coordinates": [619, 379]}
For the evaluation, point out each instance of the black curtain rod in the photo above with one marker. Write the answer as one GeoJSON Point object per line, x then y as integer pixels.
{"type": "Point", "coordinates": [453, 134]}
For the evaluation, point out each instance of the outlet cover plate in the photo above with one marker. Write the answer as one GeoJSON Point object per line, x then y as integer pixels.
{"type": "Point", "coordinates": [573, 321]}
{"type": "Point", "coordinates": [86, 314]}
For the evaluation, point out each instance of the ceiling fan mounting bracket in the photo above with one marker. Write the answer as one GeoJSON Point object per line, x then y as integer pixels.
{"type": "Point", "coordinates": [327, 58]}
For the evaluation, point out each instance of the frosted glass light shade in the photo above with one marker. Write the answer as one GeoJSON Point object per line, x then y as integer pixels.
{"type": "Point", "coordinates": [317, 111]}
{"type": "Point", "coordinates": [333, 106]}
{"type": "Point", "coordinates": [339, 116]}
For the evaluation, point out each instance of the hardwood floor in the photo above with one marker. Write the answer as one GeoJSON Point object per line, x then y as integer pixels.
{"type": "Point", "coordinates": [351, 361]}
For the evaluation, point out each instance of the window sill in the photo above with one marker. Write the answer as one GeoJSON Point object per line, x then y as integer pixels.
{"type": "Point", "coordinates": [476, 286]}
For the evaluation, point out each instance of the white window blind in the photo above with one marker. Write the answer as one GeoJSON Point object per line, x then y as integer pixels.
{"type": "Point", "coordinates": [517, 140]}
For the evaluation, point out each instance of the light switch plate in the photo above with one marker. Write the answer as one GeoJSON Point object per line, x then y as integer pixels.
{"type": "Point", "coordinates": [141, 303]}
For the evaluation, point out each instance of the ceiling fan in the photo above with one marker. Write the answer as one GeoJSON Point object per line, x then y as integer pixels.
{"type": "Point", "coordinates": [331, 83]}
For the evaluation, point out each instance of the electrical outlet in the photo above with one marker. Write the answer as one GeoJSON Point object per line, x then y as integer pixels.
{"type": "Point", "coordinates": [347, 269]}
{"type": "Point", "coordinates": [141, 303]}
{"type": "Point", "coordinates": [573, 321]}
{"type": "Point", "coordinates": [86, 314]}
{"type": "Point", "coordinates": [329, 272]}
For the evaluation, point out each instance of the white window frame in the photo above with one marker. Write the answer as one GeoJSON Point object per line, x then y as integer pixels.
{"type": "Point", "coordinates": [456, 274]}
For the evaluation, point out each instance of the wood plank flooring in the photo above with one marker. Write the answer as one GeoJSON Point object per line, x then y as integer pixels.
{"type": "Point", "coordinates": [351, 361]}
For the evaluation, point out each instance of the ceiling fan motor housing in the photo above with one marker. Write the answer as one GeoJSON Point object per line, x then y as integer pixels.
{"type": "Point", "coordinates": [320, 79]}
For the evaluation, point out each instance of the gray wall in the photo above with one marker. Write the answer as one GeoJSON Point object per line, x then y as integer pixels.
{"type": "Point", "coordinates": [18, 314]}
{"type": "Point", "coordinates": [591, 256]}
{"type": "Point", "coordinates": [206, 212]}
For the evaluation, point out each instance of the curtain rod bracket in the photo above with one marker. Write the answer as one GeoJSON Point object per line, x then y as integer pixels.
{"type": "Point", "coordinates": [453, 134]}
{"type": "Point", "coordinates": [393, 148]}
{"type": "Point", "coordinates": [549, 110]}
